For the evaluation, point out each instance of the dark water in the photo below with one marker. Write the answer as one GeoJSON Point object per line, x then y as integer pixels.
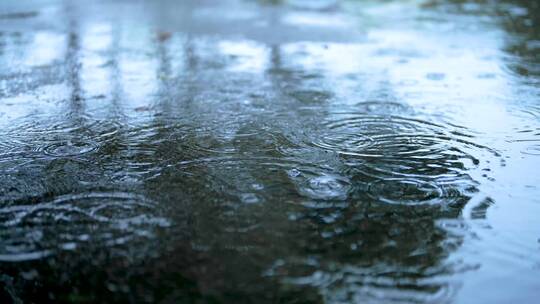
{"type": "Point", "coordinates": [270, 151]}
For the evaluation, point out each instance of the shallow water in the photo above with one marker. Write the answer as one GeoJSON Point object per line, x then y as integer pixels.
{"type": "Point", "coordinates": [270, 151]}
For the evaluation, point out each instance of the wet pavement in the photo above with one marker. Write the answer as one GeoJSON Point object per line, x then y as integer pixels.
{"type": "Point", "coordinates": [269, 151]}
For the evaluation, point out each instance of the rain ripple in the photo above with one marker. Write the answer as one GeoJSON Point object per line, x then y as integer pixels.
{"type": "Point", "coordinates": [404, 160]}
{"type": "Point", "coordinates": [316, 180]}
{"type": "Point", "coordinates": [58, 138]}
{"type": "Point", "coordinates": [33, 230]}
{"type": "Point", "coordinates": [383, 283]}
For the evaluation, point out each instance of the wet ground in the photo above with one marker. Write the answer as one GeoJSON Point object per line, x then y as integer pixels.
{"type": "Point", "coordinates": [270, 151]}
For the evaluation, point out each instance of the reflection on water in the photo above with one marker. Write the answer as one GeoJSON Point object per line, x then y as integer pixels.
{"type": "Point", "coordinates": [269, 151]}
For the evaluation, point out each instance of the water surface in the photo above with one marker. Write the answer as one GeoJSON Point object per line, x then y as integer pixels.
{"type": "Point", "coordinates": [269, 151]}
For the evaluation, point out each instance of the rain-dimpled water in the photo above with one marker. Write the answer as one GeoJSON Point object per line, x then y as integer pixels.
{"type": "Point", "coordinates": [286, 151]}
